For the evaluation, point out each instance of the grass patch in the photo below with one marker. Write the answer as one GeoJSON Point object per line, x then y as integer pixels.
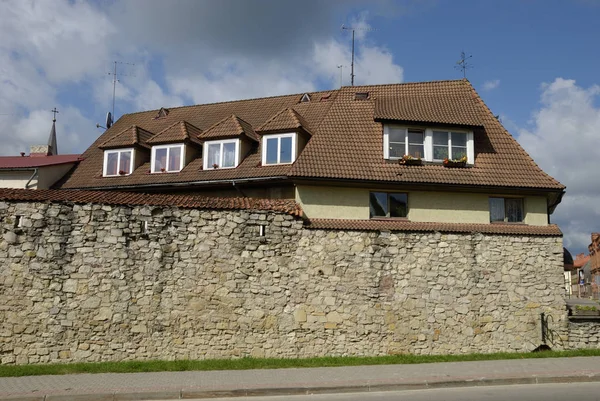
{"type": "Point", "coordinates": [267, 363]}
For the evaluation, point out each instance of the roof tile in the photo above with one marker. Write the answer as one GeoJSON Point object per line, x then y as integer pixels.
{"type": "Point", "coordinates": [180, 131]}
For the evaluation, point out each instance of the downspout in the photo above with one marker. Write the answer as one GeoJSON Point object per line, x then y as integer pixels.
{"type": "Point", "coordinates": [35, 172]}
{"type": "Point", "coordinates": [237, 188]}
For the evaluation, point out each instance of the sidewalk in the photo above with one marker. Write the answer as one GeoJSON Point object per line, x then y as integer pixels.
{"type": "Point", "coordinates": [211, 384]}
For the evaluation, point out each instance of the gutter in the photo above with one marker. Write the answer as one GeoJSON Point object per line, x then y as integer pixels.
{"type": "Point", "coordinates": [233, 182]}
{"type": "Point", "coordinates": [35, 173]}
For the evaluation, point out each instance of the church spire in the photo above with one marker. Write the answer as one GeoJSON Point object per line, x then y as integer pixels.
{"type": "Point", "coordinates": [52, 147]}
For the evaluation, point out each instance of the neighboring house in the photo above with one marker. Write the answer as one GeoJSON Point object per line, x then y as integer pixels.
{"type": "Point", "coordinates": [594, 248]}
{"type": "Point", "coordinates": [341, 155]}
{"type": "Point", "coordinates": [40, 170]}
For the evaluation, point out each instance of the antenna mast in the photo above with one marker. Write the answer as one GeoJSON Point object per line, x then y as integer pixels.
{"type": "Point", "coordinates": [463, 64]}
{"type": "Point", "coordinates": [115, 80]}
{"type": "Point", "coordinates": [350, 28]}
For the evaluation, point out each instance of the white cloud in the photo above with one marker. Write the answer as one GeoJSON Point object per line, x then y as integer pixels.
{"type": "Point", "coordinates": [490, 85]}
{"type": "Point", "coordinates": [562, 139]}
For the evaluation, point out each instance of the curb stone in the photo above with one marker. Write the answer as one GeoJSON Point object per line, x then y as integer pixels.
{"type": "Point", "coordinates": [207, 394]}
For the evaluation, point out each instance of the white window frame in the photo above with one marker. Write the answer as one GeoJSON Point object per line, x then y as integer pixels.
{"type": "Point", "coordinates": [205, 165]}
{"type": "Point", "coordinates": [470, 150]}
{"type": "Point", "coordinates": [169, 146]}
{"type": "Point", "coordinates": [427, 142]}
{"type": "Point", "coordinates": [118, 151]}
{"type": "Point", "coordinates": [292, 135]}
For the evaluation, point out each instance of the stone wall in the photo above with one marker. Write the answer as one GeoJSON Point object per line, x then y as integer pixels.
{"type": "Point", "coordinates": [584, 334]}
{"type": "Point", "coordinates": [97, 283]}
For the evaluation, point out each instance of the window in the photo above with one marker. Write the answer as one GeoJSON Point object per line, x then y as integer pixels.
{"type": "Point", "coordinates": [509, 210]}
{"type": "Point", "coordinates": [279, 149]}
{"type": "Point", "coordinates": [449, 144]}
{"type": "Point", "coordinates": [383, 204]}
{"type": "Point", "coordinates": [405, 141]}
{"type": "Point", "coordinates": [221, 154]}
{"type": "Point", "coordinates": [117, 162]}
{"type": "Point", "coordinates": [427, 144]}
{"type": "Point", "coordinates": [167, 158]}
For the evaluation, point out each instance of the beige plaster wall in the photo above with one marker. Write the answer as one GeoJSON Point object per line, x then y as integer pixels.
{"type": "Point", "coordinates": [425, 206]}
{"type": "Point", "coordinates": [49, 175]}
{"type": "Point", "coordinates": [17, 179]}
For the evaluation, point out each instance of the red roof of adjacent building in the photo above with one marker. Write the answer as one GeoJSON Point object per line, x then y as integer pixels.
{"type": "Point", "coordinates": [18, 162]}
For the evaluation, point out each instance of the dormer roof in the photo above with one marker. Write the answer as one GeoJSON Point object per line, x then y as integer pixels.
{"type": "Point", "coordinates": [286, 119]}
{"type": "Point", "coordinates": [132, 136]}
{"type": "Point", "coordinates": [455, 105]}
{"type": "Point", "coordinates": [178, 132]}
{"type": "Point", "coordinates": [230, 127]}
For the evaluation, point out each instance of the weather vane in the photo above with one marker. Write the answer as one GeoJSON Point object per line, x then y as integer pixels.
{"type": "Point", "coordinates": [463, 63]}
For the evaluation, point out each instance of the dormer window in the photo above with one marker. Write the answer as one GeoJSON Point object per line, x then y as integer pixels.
{"type": "Point", "coordinates": [167, 158]}
{"type": "Point", "coordinates": [279, 148]}
{"type": "Point", "coordinates": [432, 145]}
{"type": "Point", "coordinates": [221, 154]}
{"type": "Point", "coordinates": [117, 162]}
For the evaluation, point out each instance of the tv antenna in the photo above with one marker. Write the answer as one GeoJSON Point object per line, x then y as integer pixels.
{"type": "Point", "coordinates": [463, 63]}
{"type": "Point", "coordinates": [350, 28]}
{"type": "Point", "coordinates": [115, 80]}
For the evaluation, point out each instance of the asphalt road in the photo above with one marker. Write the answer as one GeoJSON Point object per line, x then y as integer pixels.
{"type": "Point", "coordinates": [528, 392]}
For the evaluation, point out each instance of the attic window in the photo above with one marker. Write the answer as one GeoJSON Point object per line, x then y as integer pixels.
{"type": "Point", "coordinates": [361, 96]}
{"type": "Point", "coordinates": [305, 98]}
{"type": "Point", "coordinates": [162, 113]}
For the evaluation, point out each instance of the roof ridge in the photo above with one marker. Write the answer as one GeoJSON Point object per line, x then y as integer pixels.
{"type": "Point", "coordinates": [406, 83]}
{"type": "Point", "coordinates": [232, 101]}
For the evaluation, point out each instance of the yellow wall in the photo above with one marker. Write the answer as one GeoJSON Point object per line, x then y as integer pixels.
{"type": "Point", "coordinates": [17, 179]}
{"type": "Point", "coordinates": [43, 180]}
{"type": "Point", "coordinates": [425, 206]}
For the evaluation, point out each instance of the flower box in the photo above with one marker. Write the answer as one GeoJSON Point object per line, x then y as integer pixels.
{"type": "Point", "coordinates": [454, 164]}
{"type": "Point", "coordinates": [408, 160]}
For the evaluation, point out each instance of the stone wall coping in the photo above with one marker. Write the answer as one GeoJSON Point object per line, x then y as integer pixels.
{"type": "Point", "coordinates": [286, 206]}
{"type": "Point", "coordinates": [413, 226]}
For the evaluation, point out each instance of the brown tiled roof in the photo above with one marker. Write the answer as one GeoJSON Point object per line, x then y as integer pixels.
{"type": "Point", "coordinates": [346, 142]}
{"type": "Point", "coordinates": [135, 198]}
{"type": "Point", "coordinates": [404, 225]}
{"type": "Point", "coordinates": [230, 127]}
{"type": "Point", "coordinates": [286, 119]}
{"type": "Point", "coordinates": [131, 136]}
{"type": "Point", "coordinates": [177, 132]}
{"type": "Point", "coordinates": [349, 145]}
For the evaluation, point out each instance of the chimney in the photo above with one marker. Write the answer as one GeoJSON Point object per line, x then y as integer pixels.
{"type": "Point", "coordinates": [39, 150]}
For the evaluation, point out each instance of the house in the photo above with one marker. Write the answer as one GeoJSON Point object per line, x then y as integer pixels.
{"type": "Point", "coordinates": [40, 170]}
{"type": "Point", "coordinates": [594, 248]}
{"type": "Point", "coordinates": [418, 156]}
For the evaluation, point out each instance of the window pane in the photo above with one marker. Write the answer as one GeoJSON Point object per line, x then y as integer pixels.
{"type": "Point", "coordinates": [125, 162]}
{"type": "Point", "coordinates": [272, 150]}
{"type": "Point", "coordinates": [440, 138]}
{"type": "Point", "coordinates": [514, 210]}
{"type": "Point", "coordinates": [440, 152]}
{"type": "Point", "coordinates": [378, 204]}
{"type": "Point", "coordinates": [286, 150]}
{"type": "Point", "coordinates": [398, 205]}
{"type": "Point", "coordinates": [396, 134]}
{"type": "Point", "coordinates": [160, 159]}
{"type": "Point", "coordinates": [112, 160]}
{"type": "Point", "coordinates": [397, 149]}
{"type": "Point", "coordinates": [496, 209]}
{"type": "Point", "coordinates": [458, 152]}
{"type": "Point", "coordinates": [229, 155]}
{"type": "Point", "coordinates": [459, 139]}
{"type": "Point", "coordinates": [212, 157]}
{"type": "Point", "coordinates": [174, 159]}
{"type": "Point", "coordinates": [415, 144]}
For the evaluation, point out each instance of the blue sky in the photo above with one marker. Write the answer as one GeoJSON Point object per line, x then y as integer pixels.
{"type": "Point", "coordinates": [535, 63]}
